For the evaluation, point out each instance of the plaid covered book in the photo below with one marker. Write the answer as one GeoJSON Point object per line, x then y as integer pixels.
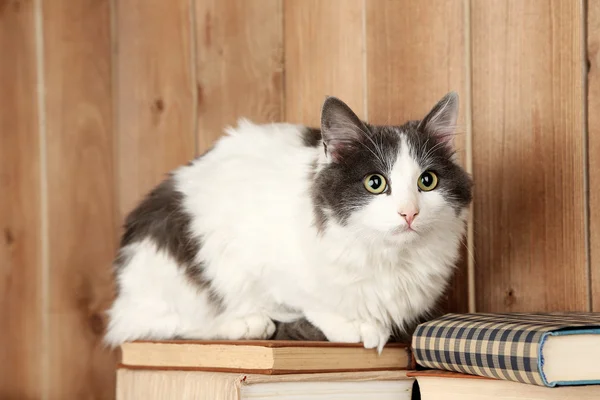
{"type": "Point", "coordinates": [545, 349]}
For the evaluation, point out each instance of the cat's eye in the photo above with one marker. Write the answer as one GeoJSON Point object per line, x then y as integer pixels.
{"type": "Point", "coordinates": [427, 181]}
{"type": "Point", "coordinates": [375, 183]}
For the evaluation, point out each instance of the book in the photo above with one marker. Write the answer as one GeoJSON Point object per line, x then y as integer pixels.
{"type": "Point", "coordinates": [434, 385]}
{"type": "Point", "coordinates": [544, 349]}
{"type": "Point", "coordinates": [205, 385]}
{"type": "Point", "coordinates": [263, 356]}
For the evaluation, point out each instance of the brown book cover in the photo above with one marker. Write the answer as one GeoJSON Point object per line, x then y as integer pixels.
{"type": "Point", "coordinates": [263, 356]}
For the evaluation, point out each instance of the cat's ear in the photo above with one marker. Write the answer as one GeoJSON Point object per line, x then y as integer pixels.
{"type": "Point", "coordinates": [341, 129]}
{"type": "Point", "coordinates": [441, 120]}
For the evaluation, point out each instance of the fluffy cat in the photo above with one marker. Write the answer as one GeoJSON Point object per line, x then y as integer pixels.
{"type": "Point", "coordinates": [354, 228]}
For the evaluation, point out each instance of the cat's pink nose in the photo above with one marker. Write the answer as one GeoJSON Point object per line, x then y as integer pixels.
{"type": "Point", "coordinates": [409, 215]}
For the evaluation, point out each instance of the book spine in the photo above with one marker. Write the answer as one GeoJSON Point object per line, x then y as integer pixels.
{"type": "Point", "coordinates": [412, 364]}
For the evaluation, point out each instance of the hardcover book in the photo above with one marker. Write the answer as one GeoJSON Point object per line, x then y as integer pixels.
{"type": "Point", "coordinates": [263, 356]}
{"type": "Point", "coordinates": [545, 349]}
{"type": "Point", "coordinates": [261, 369]}
{"type": "Point", "coordinates": [434, 385]}
{"type": "Point", "coordinates": [205, 385]}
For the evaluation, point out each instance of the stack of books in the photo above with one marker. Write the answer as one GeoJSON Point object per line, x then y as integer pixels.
{"type": "Point", "coordinates": [458, 356]}
{"type": "Point", "coordinates": [509, 356]}
{"type": "Point", "coordinates": [235, 370]}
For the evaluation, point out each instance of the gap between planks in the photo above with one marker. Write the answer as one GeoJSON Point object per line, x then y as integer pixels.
{"type": "Point", "coordinates": [44, 227]}
{"type": "Point", "coordinates": [469, 157]}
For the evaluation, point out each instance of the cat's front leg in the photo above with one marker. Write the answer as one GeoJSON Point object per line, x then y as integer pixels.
{"type": "Point", "coordinates": [374, 335]}
{"type": "Point", "coordinates": [250, 327]}
{"type": "Point", "coordinates": [343, 330]}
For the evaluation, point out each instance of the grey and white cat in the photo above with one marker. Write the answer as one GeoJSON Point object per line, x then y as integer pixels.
{"type": "Point", "coordinates": [354, 228]}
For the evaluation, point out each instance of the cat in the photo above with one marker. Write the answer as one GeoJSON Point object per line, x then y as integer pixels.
{"type": "Point", "coordinates": [354, 228]}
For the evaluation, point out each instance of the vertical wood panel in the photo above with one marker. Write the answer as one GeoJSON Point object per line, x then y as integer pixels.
{"type": "Point", "coordinates": [593, 106]}
{"type": "Point", "coordinates": [239, 64]}
{"type": "Point", "coordinates": [415, 55]}
{"type": "Point", "coordinates": [528, 155]}
{"type": "Point", "coordinates": [81, 200]}
{"type": "Point", "coordinates": [155, 93]}
{"type": "Point", "coordinates": [20, 240]}
{"type": "Point", "coordinates": [324, 56]}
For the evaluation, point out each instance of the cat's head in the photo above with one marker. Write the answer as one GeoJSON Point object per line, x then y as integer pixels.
{"type": "Point", "coordinates": [397, 181]}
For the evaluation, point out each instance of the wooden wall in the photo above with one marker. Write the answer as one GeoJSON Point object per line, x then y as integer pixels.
{"type": "Point", "coordinates": [100, 98]}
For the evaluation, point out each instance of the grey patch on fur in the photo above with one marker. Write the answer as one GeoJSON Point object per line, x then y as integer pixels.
{"type": "Point", "coordinates": [162, 217]}
{"type": "Point", "coordinates": [311, 137]}
{"type": "Point", "coordinates": [298, 330]}
{"type": "Point", "coordinates": [339, 187]}
{"type": "Point", "coordinates": [122, 258]}
{"type": "Point", "coordinates": [366, 148]}
{"type": "Point", "coordinates": [454, 183]}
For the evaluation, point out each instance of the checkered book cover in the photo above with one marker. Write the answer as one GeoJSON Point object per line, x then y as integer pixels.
{"type": "Point", "coordinates": [501, 346]}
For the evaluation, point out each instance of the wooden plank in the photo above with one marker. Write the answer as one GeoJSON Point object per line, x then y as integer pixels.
{"type": "Point", "coordinates": [239, 64]}
{"type": "Point", "coordinates": [324, 56]}
{"type": "Point", "coordinates": [81, 196]}
{"type": "Point", "coordinates": [593, 127]}
{"type": "Point", "coordinates": [155, 93]}
{"type": "Point", "coordinates": [20, 208]}
{"type": "Point", "coordinates": [528, 155]}
{"type": "Point", "coordinates": [411, 66]}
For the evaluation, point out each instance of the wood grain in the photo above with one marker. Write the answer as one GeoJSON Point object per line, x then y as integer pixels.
{"type": "Point", "coordinates": [155, 94]}
{"type": "Point", "coordinates": [239, 59]}
{"type": "Point", "coordinates": [593, 122]}
{"type": "Point", "coordinates": [20, 208]}
{"type": "Point", "coordinates": [81, 196]}
{"type": "Point", "coordinates": [528, 155]}
{"type": "Point", "coordinates": [415, 55]}
{"type": "Point", "coordinates": [324, 56]}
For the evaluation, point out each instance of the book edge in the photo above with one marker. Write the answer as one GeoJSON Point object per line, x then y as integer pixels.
{"type": "Point", "coordinates": [137, 349]}
{"type": "Point", "coordinates": [581, 330]}
{"type": "Point", "coordinates": [269, 371]}
{"type": "Point", "coordinates": [446, 374]}
{"type": "Point", "coordinates": [280, 362]}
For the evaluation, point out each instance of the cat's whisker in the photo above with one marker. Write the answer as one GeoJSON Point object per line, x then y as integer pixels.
{"type": "Point", "coordinates": [432, 149]}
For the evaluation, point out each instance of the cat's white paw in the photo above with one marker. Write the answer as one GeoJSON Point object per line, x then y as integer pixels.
{"type": "Point", "coordinates": [335, 328]}
{"type": "Point", "coordinates": [255, 326]}
{"type": "Point", "coordinates": [373, 336]}
{"type": "Point", "coordinates": [260, 327]}
{"type": "Point", "coordinates": [344, 333]}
